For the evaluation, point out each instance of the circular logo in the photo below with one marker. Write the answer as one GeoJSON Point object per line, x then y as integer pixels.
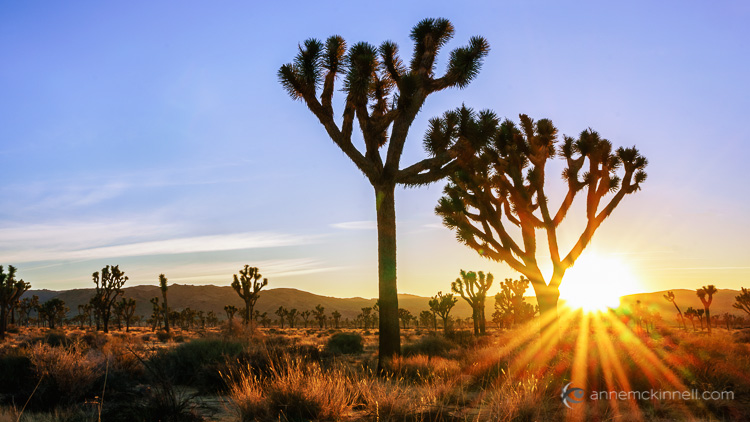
{"type": "Point", "coordinates": [571, 395]}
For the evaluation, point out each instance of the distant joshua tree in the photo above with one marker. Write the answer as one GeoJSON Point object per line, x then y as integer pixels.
{"type": "Point", "coordinates": [108, 288]}
{"type": "Point", "coordinates": [700, 313]}
{"type": "Point", "coordinates": [405, 316]}
{"type": "Point", "coordinates": [690, 314]}
{"type": "Point", "coordinates": [474, 290]}
{"type": "Point", "coordinates": [156, 317]}
{"type": "Point", "coordinates": [670, 298]}
{"type": "Point", "coordinates": [306, 314]}
{"type": "Point", "coordinates": [53, 311]}
{"type": "Point", "coordinates": [10, 292]}
{"type": "Point", "coordinates": [320, 316]}
{"type": "Point", "coordinates": [383, 92]}
{"type": "Point", "coordinates": [128, 310]}
{"type": "Point", "coordinates": [742, 301]}
{"type": "Point", "coordinates": [427, 319]}
{"type": "Point", "coordinates": [709, 291]}
{"type": "Point", "coordinates": [282, 313]}
{"type": "Point", "coordinates": [510, 305]}
{"type": "Point", "coordinates": [163, 286]}
{"type": "Point", "coordinates": [230, 310]}
{"type": "Point", "coordinates": [505, 189]}
{"type": "Point", "coordinates": [442, 304]}
{"type": "Point", "coordinates": [248, 288]}
{"type": "Point", "coordinates": [336, 315]}
{"type": "Point", "coordinates": [291, 317]}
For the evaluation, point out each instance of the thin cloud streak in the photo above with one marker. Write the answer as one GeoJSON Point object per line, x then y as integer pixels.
{"type": "Point", "coordinates": [211, 243]}
{"type": "Point", "coordinates": [356, 225]}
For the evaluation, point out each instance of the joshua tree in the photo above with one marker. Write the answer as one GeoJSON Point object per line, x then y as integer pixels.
{"type": "Point", "coordinates": [700, 313]}
{"type": "Point", "coordinates": [230, 310]}
{"type": "Point", "coordinates": [366, 316]}
{"type": "Point", "coordinates": [320, 315]}
{"type": "Point", "coordinates": [405, 316]}
{"type": "Point", "coordinates": [742, 301]}
{"type": "Point", "coordinates": [128, 310]}
{"type": "Point", "coordinates": [282, 313]}
{"type": "Point", "coordinates": [427, 318]}
{"type": "Point", "coordinates": [291, 317]}
{"type": "Point", "coordinates": [156, 313]}
{"type": "Point", "coordinates": [10, 292]}
{"type": "Point", "coordinates": [709, 291]}
{"type": "Point", "coordinates": [504, 185]}
{"type": "Point", "coordinates": [474, 291]}
{"type": "Point", "coordinates": [108, 287]}
{"type": "Point", "coordinates": [441, 305]}
{"type": "Point", "coordinates": [382, 92]}
{"type": "Point", "coordinates": [163, 287]}
{"type": "Point", "coordinates": [670, 298]}
{"type": "Point", "coordinates": [336, 315]}
{"type": "Point", "coordinates": [53, 311]}
{"type": "Point", "coordinates": [690, 314]}
{"type": "Point", "coordinates": [305, 316]}
{"type": "Point", "coordinates": [248, 287]}
{"type": "Point", "coordinates": [510, 305]}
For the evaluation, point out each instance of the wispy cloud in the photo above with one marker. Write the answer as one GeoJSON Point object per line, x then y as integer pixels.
{"type": "Point", "coordinates": [356, 225]}
{"type": "Point", "coordinates": [219, 272]}
{"type": "Point", "coordinates": [85, 241]}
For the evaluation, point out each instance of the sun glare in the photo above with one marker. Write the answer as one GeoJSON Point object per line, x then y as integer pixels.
{"type": "Point", "coordinates": [596, 283]}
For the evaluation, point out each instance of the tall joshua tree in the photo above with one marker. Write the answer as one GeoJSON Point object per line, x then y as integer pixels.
{"type": "Point", "coordinates": [248, 287]}
{"type": "Point", "coordinates": [163, 287]}
{"type": "Point", "coordinates": [383, 93]}
{"type": "Point", "coordinates": [504, 185]}
{"type": "Point", "coordinates": [108, 288]}
{"type": "Point", "coordinates": [10, 292]}
{"type": "Point", "coordinates": [441, 305]}
{"type": "Point", "coordinates": [670, 298]}
{"type": "Point", "coordinates": [742, 301]}
{"type": "Point", "coordinates": [474, 290]}
{"type": "Point", "coordinates": [709, 291]}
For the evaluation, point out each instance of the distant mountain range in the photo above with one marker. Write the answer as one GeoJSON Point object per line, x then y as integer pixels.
{"type": "Point", "coordinates": [214, 298]}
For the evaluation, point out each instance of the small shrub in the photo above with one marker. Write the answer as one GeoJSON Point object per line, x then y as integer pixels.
{"type": "Point", "coordinates": [56, 338]}
{"type": "Point", "coordinates": [163, 336]}
{"type": "Point", "coordinates": [462, 338]}
{"type": "Point", "coordinates": [429, 346]}
{"type": "Point", "coordinates": [179, 339]}
{"type": "Point", "coordinates": [197, 362]}
{"type": "Point", "coordinates": [345, 344]}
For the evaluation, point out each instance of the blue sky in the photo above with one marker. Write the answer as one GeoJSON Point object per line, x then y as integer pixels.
{"type": "Point", "coordinates": [155, 135]}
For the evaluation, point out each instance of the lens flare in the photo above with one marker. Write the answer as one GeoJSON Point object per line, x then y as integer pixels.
{"type": "Point", "coordinates": [596, 282]}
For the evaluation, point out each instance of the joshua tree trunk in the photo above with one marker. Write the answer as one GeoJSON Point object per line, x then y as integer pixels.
{"type": "Point", "coordinates": [547, 298]}
{"type": "Point", "coordinates": [684, 326]}
{"type": "Point", "coordinates": [390, 335]}
{"type": "Point", "coordinates": [708, 320]}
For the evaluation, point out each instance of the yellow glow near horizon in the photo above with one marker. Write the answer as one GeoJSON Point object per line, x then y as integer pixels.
{"type": "Point", "coordinates": [596, 283]}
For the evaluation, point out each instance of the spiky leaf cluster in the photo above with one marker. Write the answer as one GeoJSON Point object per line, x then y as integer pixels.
{"type": "Point", "coordinates": [382, 93]}
{"type": "Point", "coordinates": [502, 188]}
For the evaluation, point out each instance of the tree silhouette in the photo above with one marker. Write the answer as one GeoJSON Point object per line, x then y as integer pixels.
{"type": "Point", "coordinates": [366, 316]}
{"type": "Point", "coordinates": [126, 308]}
{"type": "Point", "coordinates": [320, 316]}
{"type": "Point", "coordinates": [291, 317]}
{"type": "Point", "coordinates": [163, 287]}
{"type": "Point", "coordinates": [742, 301]}
{"type": "Point", "coordinates": [108, 287]}
{"type": "Point", "coordinates": [709, 291]}
{"type": "Point", "coordinates": [670, 298]}
{"type": "Point", "coordinates": [441, 305]}
{"type": "Point", "coordinates": [504, 185]}
{"type": "Point", "coordinates": [700, 313]}
{"type": "Point", "coordinates": [248, 288]}
{"type": "Point", "coordinates": [282, 313]}
{"type": "Point", "coordinates": [156, 313]}
{"type": "Point", "coordinates": [305, 316]}
{"type": "Point", "coordinates": [230, 310]}
{"type": "Point", "coordinates": [427, 318]}
{"type": "Point", "coordinates": [690, 314]}
{"type": "Point", "coordinates": [53, 311]}
{"type": "Point", "coordinates": [382, 92]}
{"type": "Point", "coordinates": [405, 316]}
{"type": "Point", "coordinates": [510, 305]}
{"type": "Point", "coordinates": [474, 290]}
{"type": "Point", "coordinates": [336, 315]}
{"type": "Point", "coordinates": [10, 292]}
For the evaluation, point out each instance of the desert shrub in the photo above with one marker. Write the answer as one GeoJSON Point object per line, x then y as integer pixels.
{"type": "Point", "coordinates": [146, 337]}
{"type": "Point", "coordinates": [429, 346]}
{"type": "Point", "coordinates": [523, 400]}
{"type": "Point", "coordinates": [345, 344]}
{"type": "Point", "coordinates": [163, 336]}
{"type": "Point", "coordinates": [94, 339]}
{"type": "Point", "coordinates": [197, 362]}
{"type": "Point", "coordinates": [179, 339]}
{"type": "Point", "coordinates": [422, 368]}
{"type": "Point", "coordinates": [462, 338]}
{"type": "Point", "coordinates": [56, 338]}
{"type": "Point", "coordinates": [295, 390]}
{"type": "Point", "coordinates": [16, 374]}
{"type": "Point", "coordinates": [67, 374]}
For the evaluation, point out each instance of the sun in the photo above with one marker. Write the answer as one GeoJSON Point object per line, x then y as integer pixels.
{"type": "Point", "coordinates": [596, 282]}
